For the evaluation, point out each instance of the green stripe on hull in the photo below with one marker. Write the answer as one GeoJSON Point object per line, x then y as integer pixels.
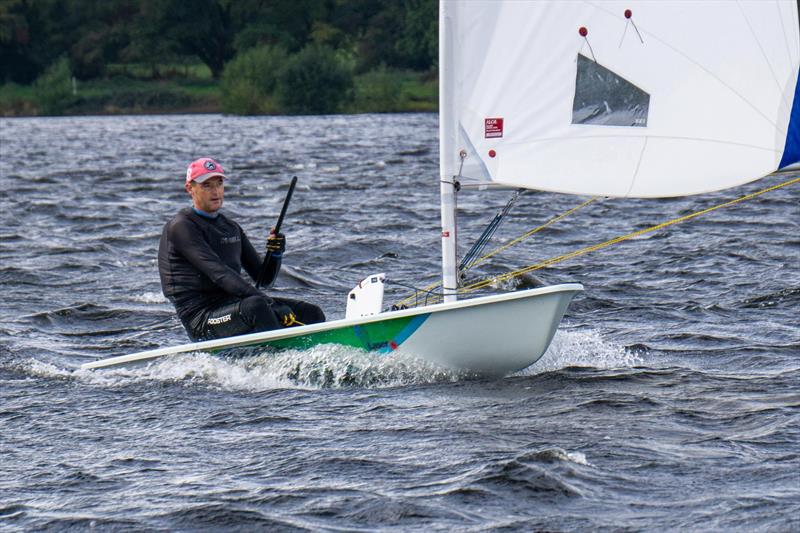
{"type": "Point", "coordinates": [381, 336]}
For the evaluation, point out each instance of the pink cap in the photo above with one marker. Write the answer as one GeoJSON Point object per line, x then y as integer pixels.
{"type": "Point", "coordinates": [202, 169]}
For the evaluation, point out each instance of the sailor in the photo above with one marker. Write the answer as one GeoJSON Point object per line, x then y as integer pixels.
{"type": "Point", "coordinates": [200, 260]}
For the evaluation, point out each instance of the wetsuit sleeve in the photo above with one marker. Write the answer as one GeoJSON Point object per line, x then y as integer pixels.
{"type": "Point", "coordinates": [191, 245]}
{"type": "Point", "coordinates": [251, 261]}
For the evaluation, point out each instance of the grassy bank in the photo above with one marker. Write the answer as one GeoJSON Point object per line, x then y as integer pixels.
{"type": "Point", "coordinates": [192, 90]}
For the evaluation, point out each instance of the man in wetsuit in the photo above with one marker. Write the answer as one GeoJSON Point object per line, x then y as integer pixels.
{"type": "Point", "coordinates": [200, 259]}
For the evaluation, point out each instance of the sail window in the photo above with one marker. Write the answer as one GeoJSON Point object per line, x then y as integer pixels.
{"type": "Point", "coordinates": [603, 98]}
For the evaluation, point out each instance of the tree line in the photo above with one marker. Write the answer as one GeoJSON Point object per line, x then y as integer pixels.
{"type": "Point", "coordinates": [305, 43]}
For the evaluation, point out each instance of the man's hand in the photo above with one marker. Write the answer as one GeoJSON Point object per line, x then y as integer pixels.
{"type": "Point", "coordinates": [285, 314]}
{"type": "Point", "coordinates": [276, 243]}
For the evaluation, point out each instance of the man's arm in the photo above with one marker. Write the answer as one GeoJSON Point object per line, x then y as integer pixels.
{"type": "Point", "coordinates": [191, 245]}
{"type": "Point", "coordinates": [251, 261]}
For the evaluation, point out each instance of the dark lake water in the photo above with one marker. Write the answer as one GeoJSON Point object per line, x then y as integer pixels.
{"type": "Point", "coordinates": [670, 398]}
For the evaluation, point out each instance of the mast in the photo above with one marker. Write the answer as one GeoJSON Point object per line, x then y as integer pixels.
{"type": "Point", "coordinates": [447, 152]}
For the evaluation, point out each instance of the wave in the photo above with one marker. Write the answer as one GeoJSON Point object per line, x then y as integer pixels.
{"type": "Point", "coordinates": [329, 366]}
{"type": "Point", "coordinates": [149, 298]}
{"type": "Point", "coordinates": [585, 348]}
{"type": "Point", "coordinates": [324, 366]}
{"type": "Point", "coordinates": [558, 454]}
{"type": "Point", "coordinates": [788, 297]}
{"type": "Point", "coordinates": [532, 473]}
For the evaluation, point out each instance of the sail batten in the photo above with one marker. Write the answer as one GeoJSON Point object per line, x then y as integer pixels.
{"type": "Point", "coordinates": [567, 97]}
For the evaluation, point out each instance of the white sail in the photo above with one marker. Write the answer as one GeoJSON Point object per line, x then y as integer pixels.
{"type": "Point", "coordinates": [675, 98]}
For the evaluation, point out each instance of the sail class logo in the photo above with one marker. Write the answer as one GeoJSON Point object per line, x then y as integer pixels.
{"type": "Point", "coordinates": [604, 98]}
{"type": "Point", "coordinates": [493, 127]}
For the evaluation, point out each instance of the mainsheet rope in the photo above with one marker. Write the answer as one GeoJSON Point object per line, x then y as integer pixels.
{"type": "Point", "coordinates": [577, 253]}
{"type": "Point", "coordinates": [427, 290]}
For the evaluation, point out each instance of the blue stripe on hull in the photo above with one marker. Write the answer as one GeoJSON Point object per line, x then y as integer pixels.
{"type": "Point", "coordinates": [407, 331]}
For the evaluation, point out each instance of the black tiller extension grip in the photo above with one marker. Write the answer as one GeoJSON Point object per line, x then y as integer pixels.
{"type": "Point", "coordinates": [285, 204]}
{"type": "Point", "coordinates": [262, 272]}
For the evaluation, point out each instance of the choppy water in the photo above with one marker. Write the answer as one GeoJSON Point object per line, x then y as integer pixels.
{"type": "Point", "coordinates": [670, 398]}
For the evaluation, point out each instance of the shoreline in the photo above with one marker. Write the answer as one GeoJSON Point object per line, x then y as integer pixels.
{"type": "Point", "coordinates": [198, 110]}
{"type": "Point", "coordinates": [411, 94]}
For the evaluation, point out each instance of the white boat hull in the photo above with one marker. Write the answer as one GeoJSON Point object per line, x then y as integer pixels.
{"type": "Point", "coordinates": [500, 334]}
{"type": "Point", "coordinates": [489, 335]}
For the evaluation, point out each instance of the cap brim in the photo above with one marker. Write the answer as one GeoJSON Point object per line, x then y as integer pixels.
{"type": "Point", "coordinates": [204, 177]}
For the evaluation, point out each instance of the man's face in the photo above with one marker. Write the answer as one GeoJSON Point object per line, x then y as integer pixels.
{"type": "Point", "coordinates": [207, 196]}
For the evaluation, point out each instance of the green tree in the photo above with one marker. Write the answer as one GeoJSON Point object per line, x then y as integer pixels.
{"type": "Point", "coordinates": [285, 23]}
{"type": "Point", "coordinates": [395, 33]}
{"type": "Point", "coordinates": [201, 28]}
{"type": "Point", "coordinates": [418, 45]}
{"type": "Point", "coordinates": [104, 32]}
{"type": "Point", "coordinates": [150, 41]}
{"type": "Point", "coordinates": [53, 89]}
{"type": "Point", "coordinates": [18, 65]}
{"type": "Point", "coordinates": [379, 90]}
{"type": "Point", "coordinates": [34, 34]}
{"type": "Point", "coordinates": [249, 80]}
{"type": "Point", "coordinates": [362, 35]}
{"type": "Point", "coordinates": [372, 27]}
{"type": "Point", "coordinates": [314, 81]}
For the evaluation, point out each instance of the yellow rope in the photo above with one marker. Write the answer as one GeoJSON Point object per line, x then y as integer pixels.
{"type": "Point", "coordinates": [291, 320]}
{"type": "Point", "coordinates": [423, 290]}
{"type": "Point", "coordinates": [531, 232]}
{"type": "Point", "coordinates": [586, 250]}
{"type": "Point", "coordinates": [480, 260]}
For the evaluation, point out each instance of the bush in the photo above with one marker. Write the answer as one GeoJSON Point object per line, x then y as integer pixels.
{"type": "Point", "coordinates": [379, 90]}
{"type": "Point", "coordinates": [249, 81]}
{"type": "Point", "coordinates": [314, 81]}
{"type": "Point", "coordinates": [144, 99]}
{"type": "Point", "coordinates": [52, 91]}
{"type": "Point", "coordinates": [16, 100]}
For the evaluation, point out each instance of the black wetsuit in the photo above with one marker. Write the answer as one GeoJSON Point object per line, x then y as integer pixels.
{"type": "Point", "coordinates": [200, 260]}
